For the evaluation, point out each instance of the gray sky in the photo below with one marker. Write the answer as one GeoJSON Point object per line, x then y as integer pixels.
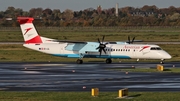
{"type": "Point", "coordinates": [77, 5]}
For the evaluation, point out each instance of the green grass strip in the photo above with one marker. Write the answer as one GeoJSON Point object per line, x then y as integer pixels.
{"type": "Point", "coordinates": [86, 96]}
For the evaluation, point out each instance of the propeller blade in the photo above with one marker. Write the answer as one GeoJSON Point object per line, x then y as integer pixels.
{"type": "Point", "coordinates": [129, 40]}
{"type": "Point", "coordinates": [99, 41]}
{"type": "Point", "coordinates": [103, 39]}
{"type": "Point", "coordinates": [133, 40]}
{"type": "Point", "coordinates": [97, 48]}
{"type": "Point", "coordinates": [104, 50]}
{"type": "Point", "coordinates": [100, 50]}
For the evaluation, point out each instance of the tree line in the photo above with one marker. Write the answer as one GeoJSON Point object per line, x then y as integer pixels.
{"type": "Point", "coordinates": [90, 17]}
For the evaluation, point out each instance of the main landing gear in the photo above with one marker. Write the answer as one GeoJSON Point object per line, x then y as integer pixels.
{"type": "Point", "coordinates": [79, 61]}
{"type": "Point", "coordinates": [108, 61]}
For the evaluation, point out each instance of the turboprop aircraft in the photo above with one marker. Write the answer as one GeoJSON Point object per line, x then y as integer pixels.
{"type": "Point", "coordinates": [80, 50]}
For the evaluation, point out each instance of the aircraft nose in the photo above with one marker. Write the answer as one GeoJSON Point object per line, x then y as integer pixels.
{"type": "Point", "coordinates": [168, 56]}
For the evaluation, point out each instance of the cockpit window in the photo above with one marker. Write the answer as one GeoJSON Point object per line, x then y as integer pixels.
{"type": "Point", "coordinates": [155, 48]}
{"type": "Point", "coordinates": [158, 48]}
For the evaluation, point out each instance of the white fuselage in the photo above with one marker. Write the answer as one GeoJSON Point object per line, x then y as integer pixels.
{"type": "Point", "coordinates": [121, 51]}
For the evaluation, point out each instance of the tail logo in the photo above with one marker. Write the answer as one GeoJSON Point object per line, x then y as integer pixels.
{"type": "Point", "coordinates": [27, 30]}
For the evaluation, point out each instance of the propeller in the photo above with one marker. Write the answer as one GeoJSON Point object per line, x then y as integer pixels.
{"type": "Point", "coordinates": [101, 46]}
{"type": "Point", "coordinates": [129, 41]}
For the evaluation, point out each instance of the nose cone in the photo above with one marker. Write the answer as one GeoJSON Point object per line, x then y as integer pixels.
{"type": "Point", "coordinates": [166, 55]}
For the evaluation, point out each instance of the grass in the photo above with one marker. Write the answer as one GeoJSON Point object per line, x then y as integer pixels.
{"type": "Point", "coordinates": [6, 36]}
{"type": "Point", "coordinates": [86, 96]}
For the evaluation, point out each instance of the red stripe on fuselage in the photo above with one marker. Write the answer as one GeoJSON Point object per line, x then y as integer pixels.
{"type": "Point", "coordinates": [36, 39]}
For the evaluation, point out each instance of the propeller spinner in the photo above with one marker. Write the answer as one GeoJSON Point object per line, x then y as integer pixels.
{"type": "Point", "coordinates": [101, 46]}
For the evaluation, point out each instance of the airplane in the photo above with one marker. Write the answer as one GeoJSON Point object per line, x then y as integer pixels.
{"type": "Point", "coordinates": [80, 50]}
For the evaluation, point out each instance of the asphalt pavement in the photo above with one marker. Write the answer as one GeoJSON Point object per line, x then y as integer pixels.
{"type": "Point", "coordinates": [84, 77]}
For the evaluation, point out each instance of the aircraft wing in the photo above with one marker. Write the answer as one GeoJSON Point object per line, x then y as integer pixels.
{"type": "Point", "coordinates": [82, 47]}
{"type": "Point", "coordinates": [122, 42]}
{"type": "Point", "coordinates": [84, 42]}
{"type": "Point", "coordinates": [69, 41]}
{"type": "Point", "coordinates": [136, 41]}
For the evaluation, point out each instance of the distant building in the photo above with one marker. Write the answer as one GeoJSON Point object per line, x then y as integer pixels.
{"type": "Point", "coordinates": [117, 7]}
{"type": "Point", "coordinates": [99, 9]}
{"type": "Point", "coordinates": [142, 13]}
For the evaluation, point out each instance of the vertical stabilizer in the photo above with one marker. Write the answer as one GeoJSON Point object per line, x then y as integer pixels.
{"type": "Point", "coordinates": [28, 30]}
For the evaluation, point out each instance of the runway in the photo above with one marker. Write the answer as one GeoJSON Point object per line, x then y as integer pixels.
{"type": "Point", "coordinates": [83, 77]}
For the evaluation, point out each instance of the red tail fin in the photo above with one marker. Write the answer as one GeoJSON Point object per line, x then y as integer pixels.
{"type": "Point", "coordinates": [28, 30]}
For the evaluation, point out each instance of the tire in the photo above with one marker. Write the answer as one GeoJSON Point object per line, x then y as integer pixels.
{"type": "Point", "coordinates": [79, 61]}
{"type": "Point", "coordinates": [108, 61]}
{"type": "Point", "coordinates": [161, 62]}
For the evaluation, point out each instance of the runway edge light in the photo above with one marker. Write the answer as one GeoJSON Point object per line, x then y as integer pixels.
{"type": "Point", "coordinates": [95, 92]}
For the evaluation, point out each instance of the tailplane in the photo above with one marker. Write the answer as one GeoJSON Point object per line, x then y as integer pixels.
{"type": "Point", "coordinates": [30, 33]}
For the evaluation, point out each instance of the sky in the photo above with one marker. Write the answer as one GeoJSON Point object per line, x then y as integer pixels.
{"type": "Point", "coordinates": [77, 5]}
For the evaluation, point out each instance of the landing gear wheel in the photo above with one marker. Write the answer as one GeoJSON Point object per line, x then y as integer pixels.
{"type": "Point", "coordinates": [79, 61]}
{"type": "Point", "coordinates": [162, 62]}
{"type": "Point", "coordinates": [108, 61]}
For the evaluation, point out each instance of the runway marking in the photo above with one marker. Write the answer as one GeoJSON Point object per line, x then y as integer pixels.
{"type": "Point", "coordinates": [3, 88]}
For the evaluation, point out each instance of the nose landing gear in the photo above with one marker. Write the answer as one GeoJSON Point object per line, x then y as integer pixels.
{"type": "Point", "coordinates": [162, 61]}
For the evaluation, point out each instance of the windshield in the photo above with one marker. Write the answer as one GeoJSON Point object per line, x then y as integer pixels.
{"type": "Point", "coordinates": [155, 48]}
